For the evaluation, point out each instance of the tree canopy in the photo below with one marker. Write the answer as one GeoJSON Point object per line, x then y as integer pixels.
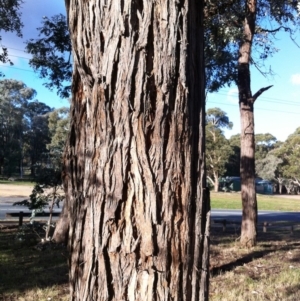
{"type": "Point", "coordinates": [218, 149]}
{"type": "Point", "coordinates": [51, 54]}
{"type": "Point", "coordinates": [27, 130]}
{"type": "Point", "coordinates": [10, 21]}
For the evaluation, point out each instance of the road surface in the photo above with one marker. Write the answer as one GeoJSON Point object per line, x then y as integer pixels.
{"type": "Point", "coordinates": [230, 215]}
{"type": "Point", "coordinates": [263, 216]}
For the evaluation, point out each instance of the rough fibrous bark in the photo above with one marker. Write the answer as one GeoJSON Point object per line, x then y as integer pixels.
{"type": "Point", "coordinates": [134, 165]}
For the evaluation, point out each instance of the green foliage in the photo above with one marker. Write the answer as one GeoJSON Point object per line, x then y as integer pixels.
{"type": "Point", "coordinates": [218, 149]}
{"type": "Point", "coordinates": [37, 199]}
{"type": "Point", "coordinates": [264, 143]}
{"type": "Point", "coordinates": [224, 22]}
{"type": "Point", "coordinates": [220, 37]}
{"type": "Point", "coordinates": [14, 97]}
{"type": "Point", "coordinates": [267, 168]}
{"type": "Point", "coordinates": [59, 128]}
{"type": "Point", "coordinates": [31, 133]}
{"type": "Point", "coordinates": [217, 118]}
{"type": "Point", "coordinates": [49, 177]}
{"type": "Point", "coordinates": [289, 153]}
{"type": "Point", "coordinates": [45, 192]}
{"type": "Point", "coordinates": [10, 21]}
{"type": "Point", "coordinates": [232, 165]}
{"type": "Point", "coordinates": [51, 54]}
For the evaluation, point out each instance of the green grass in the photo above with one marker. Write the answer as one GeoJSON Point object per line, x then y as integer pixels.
{"type": "Point", "coordinates": [232, 200]}
{"type": "Point", "coordinates": [19, 183]}
{"type": "Point", "coordinates": [269, 271]}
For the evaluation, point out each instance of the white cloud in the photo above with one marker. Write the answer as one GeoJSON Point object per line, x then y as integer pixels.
{"type": "Point", "coordinates": [233, 95]}
{"type": "Point", "coordinates": [295, 79]}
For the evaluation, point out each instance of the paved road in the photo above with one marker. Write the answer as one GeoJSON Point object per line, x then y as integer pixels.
{"type": "Point", "coordinates": [232, 215]}
{"type": "Point", "coordinates": [263, 216]}
{"type": "Point", "coordinates": [8, 207]}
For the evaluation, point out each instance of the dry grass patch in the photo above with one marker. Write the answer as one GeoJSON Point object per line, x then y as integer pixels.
{"type": "Point", "coordinates": [270, 271]}
{"type": "Point", "coordinates": [12, 190]}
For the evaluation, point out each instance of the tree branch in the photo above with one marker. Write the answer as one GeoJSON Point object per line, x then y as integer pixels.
{"type": "Point", "coordinates": [260, 91]}
{"type": "Point", "coordinates": [260, 29]}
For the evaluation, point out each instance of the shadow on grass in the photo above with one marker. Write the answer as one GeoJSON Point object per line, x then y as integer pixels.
{"type": "Point", "coordinates": [266, 241]}
{"type": "Point", "coordinates": [23, 267]}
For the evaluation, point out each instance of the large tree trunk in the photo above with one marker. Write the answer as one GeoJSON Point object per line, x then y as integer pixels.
{"type": "Point", "coordinates": [134, 170]}
{"type": "Point", "coordinates": [246, 103]}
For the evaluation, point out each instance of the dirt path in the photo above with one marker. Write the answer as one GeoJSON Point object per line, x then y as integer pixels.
{"type": "Point", "coordinates": [15, 190]}
{"type": "Point", "coordinates": [10, 193]}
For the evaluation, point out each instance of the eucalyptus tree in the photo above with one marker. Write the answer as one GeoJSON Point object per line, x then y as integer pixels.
{"type": "Point", "coordinates": [51, 54]}
{"type": "Point", "coordinates": [248, 30]}
{"type": "Point", "coordinates": [267, 168]}
{"type": "Point", "coordinates": [232, 165]}
{"type": "Point", "coordinates": [59, 126]}
{"type": "Point", "coordinates": [134, 166]}
{"type": "Point", "coordinates": [10, 21]}
{"type": "Point", "coordinates": [36, 134]}
{"type": "Point", "coordinates": [218, 149]}
{"type": "Point", "coordinates": [289, 153]}
{"type": "Point", "coordinates": [264, 143]}
{"type": "Point", "coordinates": [14, 96]}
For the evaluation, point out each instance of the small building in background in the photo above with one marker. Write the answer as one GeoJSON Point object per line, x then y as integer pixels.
{"type": "Point", "coordinates": [234, 184]}
{"type": "Point", "coordinates": [264, 187]}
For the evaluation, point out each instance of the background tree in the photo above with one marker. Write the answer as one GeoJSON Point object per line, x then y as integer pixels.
{"type": "Point", "coordinates": [218, 149]}
{"type": "Point", "coordinates": [24, 130]}
{"type": "Point", "coordinates": [267, 168]}
{"type": "Point", "coordinates": [289, 153]}
{"type": "Point", "coordinates": [36, 134]}
{"type": "Point", "coordinates": [59, 126]}
{"type": "Point", "coordinates": [232, 165]}
{"type": "Point", "coordinates": [134, 169]}
{"type": "Point", "coordinates": [14, 96]}
{"type": "Point", "coordinates": [244, 26]}
{"type": "Point", "coordinates": [264, 143]}
{"type": "Point", "coordinates": [51, 54]}
{"type": "Point", "coordinates": [10, 21]}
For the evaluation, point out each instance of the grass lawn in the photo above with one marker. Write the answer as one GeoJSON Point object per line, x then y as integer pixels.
{"type": "Point", "coordinates": [17, 183]}
{"type": "Point", "coordinates": [232, 200]}
{"type": "Point", "coordinates": [270, 271]}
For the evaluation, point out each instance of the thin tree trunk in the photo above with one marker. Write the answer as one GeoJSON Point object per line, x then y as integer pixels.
{"type": "Point", "coordinates": [134, 168]}
{"type": "Point", "coordinates": [216, 182]}
{"type": "Point", "coordinates": [61, 231]}
{"type": "Point", "coordinates": [246, 103]}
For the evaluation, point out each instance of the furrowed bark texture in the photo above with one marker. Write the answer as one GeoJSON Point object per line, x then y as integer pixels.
{"type": "Point", "coordinates": [246, 104]}
{"type": "Point", "coordinates": [134, 169]}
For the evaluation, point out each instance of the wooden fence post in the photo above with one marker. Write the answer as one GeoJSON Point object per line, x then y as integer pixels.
{"type": "Point", "coordinates": [20, 218]}
{"type": "Point", "coordinates": [265, 227]}
{"type": "Point", "coordinates": [224, 225]}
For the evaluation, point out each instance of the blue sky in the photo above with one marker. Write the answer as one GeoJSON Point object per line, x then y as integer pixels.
{"type": "Point", "coordinates": [277, 111]}
{"type": "Point", "coordinates": [32, 14]}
